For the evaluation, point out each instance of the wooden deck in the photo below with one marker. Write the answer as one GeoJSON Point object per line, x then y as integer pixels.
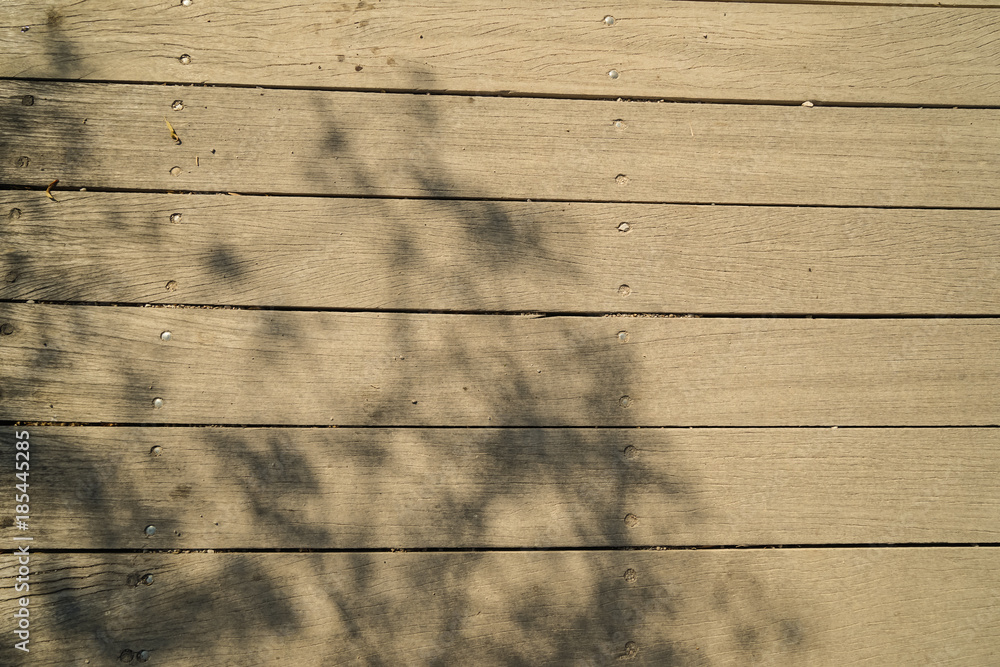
{"type": "Point", "coordinates": [464, 332]}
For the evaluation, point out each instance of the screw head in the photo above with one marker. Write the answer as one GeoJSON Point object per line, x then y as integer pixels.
{"type": "Point", "coordinates": [609, 20]}
{"type": "Point", "coordinates": [185, 59]}
{"type": "Point", "coordinates": [165, 335]}
{"type": "Point", "coordinates": [150, 531]}
{"type": "Point", "coordinates": [177, 105]}
{"type": "Point", "coordinates": [157, 402]}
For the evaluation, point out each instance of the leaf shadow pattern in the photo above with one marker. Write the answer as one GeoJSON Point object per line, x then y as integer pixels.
{"type": "Point", "coordinates": [473, 588]}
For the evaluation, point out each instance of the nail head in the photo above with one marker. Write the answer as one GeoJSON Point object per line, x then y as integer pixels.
{"type": "Point", "coordinates": [157, 402]}
{"type": "Point", "coordinates": [165, 335]}
{"type": "Point", "coordinates": [623, 336]}
{"type": "Point", "coordinates": [175, 217]}
{"type": "Point", "coordinates": [177, 105]}
{"type": "Point", "coordinates": [624, 227]}
{"type": "Point", "coordinates": [631, 576]}
{"type": "Point", "coordinates": [150, 530]}
{"type": "Point", "coordinates": [185, 59]}
{"type": "Point", "coordinates": [156, 451]}
{"type": "Point", "coordinates": [624, 401]}
{"type": "Point", "coordinates": [613, 74]}
{"type": "Point", "coordinates": [609, 20]}
{"type": "Point", "coordinates": [147, 579]}
{"type": "Point", "coordinates": [624, 290]}
{"type": "Point", "coordinates": [630, 452]}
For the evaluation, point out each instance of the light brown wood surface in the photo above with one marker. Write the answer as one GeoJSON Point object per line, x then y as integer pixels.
{"type": "Point", "coordinates": [677, 50]}
{"type": "Point", "coordinates": [496, 256]}
{"type": "Point", "coordinates": [779, 607]}
{"type": "Point", "coordinates": [99, 364]}
{"type": "Point", "coordinates": [401, 266]}
{"type": "Point", "coordinates": [339, 143]}
{"type": "Point", "coordinates": [344, 488]}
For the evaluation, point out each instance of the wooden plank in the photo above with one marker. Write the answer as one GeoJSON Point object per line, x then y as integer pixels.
{"type": "Point", "coordinates": [497, 256]}
{"type": "Point", "coordinates": [783, 607]}
{"type": "Point", "coordinates": [99, 487]}
{"type": "Point", "coordinates": [97, 364]}
{"type": "Point", "coordinates": [316, 142]}
{"type": "Point", "coordinates": [676, 50]}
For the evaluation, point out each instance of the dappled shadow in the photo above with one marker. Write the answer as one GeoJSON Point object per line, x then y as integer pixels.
{"type": "Point", "coordinates": [359, 491]}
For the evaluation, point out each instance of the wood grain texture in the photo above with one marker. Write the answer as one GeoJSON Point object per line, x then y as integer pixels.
{"type": "Point", "coordinates": [497, 256]}
{"type": "Point", "coordinates": [676, 50]}
{"type": "Point", "coordinates": [99, 487]}
{"type": "Point", "coordinates": [315, 142]}
{"type": "Point", "coordinates": [899, 606]}
{"type": "Point", "coordinates": [97, 364]}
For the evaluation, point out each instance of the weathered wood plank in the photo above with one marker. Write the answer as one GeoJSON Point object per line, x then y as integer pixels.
{"type": "Point", "coordinates": [99, 487]}
{"type": "Point", "coordinates": [315, 142]}
{"type": "Point", "coordinates": [497, 256]}
{"type": "Point", "coordinates": [96, 364]}
{"type": "Point", "coordinates": [784, 607]}
{"type": "Point", "coordinates": [677, 50]}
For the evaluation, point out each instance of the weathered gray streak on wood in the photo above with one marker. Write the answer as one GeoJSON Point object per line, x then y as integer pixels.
{"type": "Point", "coordinates": [434, 255]}
{"type": "Point", "coordinates": [98, 487]}
{"type": "Point", "coordinates": [690, 50]}
{"type": "Point", "coordinates": [84, 363]}
{"type": "Point", "coordinates": [793, 607]}
{"type": "Point", "coordinates": [314, 142]}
